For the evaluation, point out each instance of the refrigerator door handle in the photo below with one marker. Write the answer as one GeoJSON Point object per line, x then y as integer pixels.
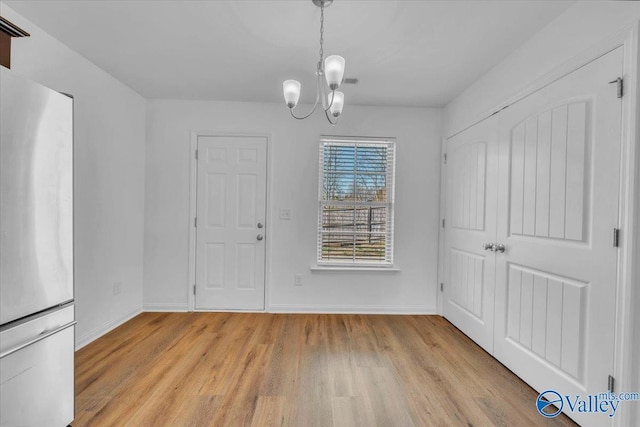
{"type": "Point", "coordinates": [40, 337]}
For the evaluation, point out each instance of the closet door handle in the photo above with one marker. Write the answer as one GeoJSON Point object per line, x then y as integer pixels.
{"type": "Point", "coordinates": [488, 246]}
{"type": "Point", "coordinates": [499, 248]}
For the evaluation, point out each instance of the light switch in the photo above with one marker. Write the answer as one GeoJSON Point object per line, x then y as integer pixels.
{"type": "Point", "coordinates": [285, 214]}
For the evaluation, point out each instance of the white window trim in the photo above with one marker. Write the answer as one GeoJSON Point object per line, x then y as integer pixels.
{"type": "Point", "coordinates": [357, 267]}
{"type": "Point", "coordinates": [390, 204]}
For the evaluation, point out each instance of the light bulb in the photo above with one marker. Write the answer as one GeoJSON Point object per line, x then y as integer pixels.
{"type": "Point", "coordinates": [291, 90]}
{"type": "Point", "coordinates": [334, 71]}
{"type": "Point", "coordinates": [338, 103]}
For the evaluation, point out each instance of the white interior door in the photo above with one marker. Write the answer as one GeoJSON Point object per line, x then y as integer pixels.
{"type": "Point", "coordinates": [558, 206]}
{"type": "Point", "coordinates": [230, 232]}
{"type": "Point", "coordinates": [472, 172]}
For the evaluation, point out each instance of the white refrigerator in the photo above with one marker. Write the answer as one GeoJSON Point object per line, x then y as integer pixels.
{"type": "Point", "coordinates": [36, 254]}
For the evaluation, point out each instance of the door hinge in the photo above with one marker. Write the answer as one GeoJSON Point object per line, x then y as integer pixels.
{"type": "Point", "coordinates": [616, 237]}
{"type": "Point", "coordinates": [441, 287]}
{"type": "Point", "coordinates": [195, 222]}
{"type": "Point", "coordinates": [610, 383]}
{"type": "Point", "coordinates": [443, 222]}
{"type": "Point", "coordinates": [620, 86]}
{"type": "Point", "coordinates": [196, 154]}
{"type": "Point", "coordinates": [445, 158]}
{"type": "Point", "coordinates": [194, 289]}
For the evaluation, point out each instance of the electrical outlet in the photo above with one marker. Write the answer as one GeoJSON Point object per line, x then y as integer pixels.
{"type": "Point", "coordinates": [297, 280]}
{"type": "Point", "coordinates": [285, 214]}
{"type": "Point", "coordinates": [117, 288]}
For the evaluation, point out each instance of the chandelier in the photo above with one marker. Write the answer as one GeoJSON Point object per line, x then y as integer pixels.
{"type": "Point", "coordinates": [330, 69]}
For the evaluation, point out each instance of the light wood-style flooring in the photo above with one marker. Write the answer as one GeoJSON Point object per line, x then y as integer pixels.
{"type": "Point", "coordinates": [247, 369]}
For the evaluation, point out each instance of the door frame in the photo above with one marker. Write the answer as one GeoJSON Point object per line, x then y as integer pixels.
{"type": "Point", "coordinates": [193, 199]}
{"type": "Point", "coordinates": [627, 331]}
{"type": "Point", "coordinates": [442, 227]}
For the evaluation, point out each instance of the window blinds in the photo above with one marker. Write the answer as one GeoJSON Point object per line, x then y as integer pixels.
{"type": "Point", "coordinates": [356, 201]}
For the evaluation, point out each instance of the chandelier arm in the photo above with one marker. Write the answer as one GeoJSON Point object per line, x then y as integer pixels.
{"type": "Point", "coordinates": [304, 117]}
{"type": "Point", "coordinates": [326, 113]}
{"type": "Point", "coordinates": [333, 94]}
{"type": "Point", "coordinates": [315, 105]}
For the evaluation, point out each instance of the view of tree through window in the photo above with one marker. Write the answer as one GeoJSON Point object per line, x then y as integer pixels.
{"type": "Point", "coordinates": [356, 201]}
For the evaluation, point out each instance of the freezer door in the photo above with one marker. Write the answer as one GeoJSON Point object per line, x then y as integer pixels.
{"type": "Point", "coordinates": [36, 187]}
{"type": "Point", "coordinates": [37, 371]}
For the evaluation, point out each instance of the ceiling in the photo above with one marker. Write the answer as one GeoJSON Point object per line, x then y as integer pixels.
{"type": "Point", "coordinates": [404, 53]}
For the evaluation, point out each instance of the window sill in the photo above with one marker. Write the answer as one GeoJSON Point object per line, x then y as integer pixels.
{"type": "Point", "coordinates": [354, 268]}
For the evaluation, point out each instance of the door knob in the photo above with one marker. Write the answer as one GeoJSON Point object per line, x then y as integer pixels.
{"type": "Point", "coordinates": [260, 225]}
{"type": "Point", "coordinates": [259, 237]}
{"type": "Point", "coordinates": [499, 248]}
{"type": "Point", "coordinates": [488, 247]}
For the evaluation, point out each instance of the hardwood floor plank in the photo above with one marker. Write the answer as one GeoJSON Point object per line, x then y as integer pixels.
{"type": "Point", "coordinates": [175, 388]}
{"type": "Point", "coordinates": [311, 400]}
{"type": "Point", "coordinates": [240, 403]}
{"type": "Point", "coordinates": [196, 411]}
{"type": "Point", "coordinates": [385, 395]}
{"type": "Point", "coordinates": [281, 378]}
{"type": "Point", "coordinates": [147, 382]}
{"type": "Point", "coordinates": [270, 412]}
{"type": "Point", "coordinates": [352, 411]}
{"type": "Point", "coordinates": [258, 369]}
{"type": "Point", "coordinates": [121, 355]}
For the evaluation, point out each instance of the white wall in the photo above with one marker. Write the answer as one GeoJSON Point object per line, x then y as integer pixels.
{"type": "Point", "coordinates": [583, 25]}
{"type": "Point", "coordinates": [109, 176]}
{"type": "Point", "coordinates": [293, 171]}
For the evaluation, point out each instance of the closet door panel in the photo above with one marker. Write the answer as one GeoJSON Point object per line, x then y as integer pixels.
{"type": "Point", "coordinates": [470, 217]}
{"type": "Point", "coordinates": [557, 208]}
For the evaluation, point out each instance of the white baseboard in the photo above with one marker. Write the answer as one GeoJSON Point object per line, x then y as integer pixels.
{"type": "Point", "coordinates": [308, 308]}
{"type": "Point", "coordinates": [152, 306]}
{"type": "Point", "coordinates": [96, 333]}
{"type": "Point", "coordinates": [352, 309]}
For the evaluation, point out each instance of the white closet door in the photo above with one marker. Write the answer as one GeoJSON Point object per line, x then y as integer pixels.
{"type": "Point", "coordinates": [472, 164]}
{"type": "Point", "coordinates": [558, 205]}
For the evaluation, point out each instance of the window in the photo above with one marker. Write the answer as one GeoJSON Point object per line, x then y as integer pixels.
{"type": "Point", "coordinates": [356, 201]}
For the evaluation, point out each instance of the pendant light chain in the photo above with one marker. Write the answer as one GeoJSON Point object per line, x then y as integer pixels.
{"type": "Point", "coordinates": [320, 66]}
